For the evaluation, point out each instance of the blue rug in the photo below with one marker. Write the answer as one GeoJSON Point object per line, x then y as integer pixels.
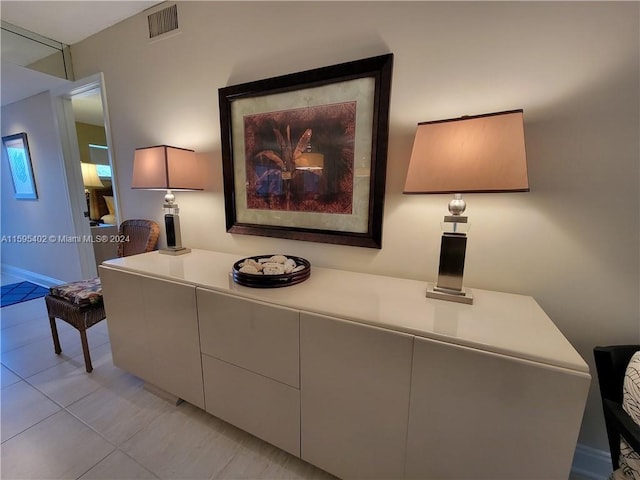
{"type": "Point", "coordinates": [21, 292]}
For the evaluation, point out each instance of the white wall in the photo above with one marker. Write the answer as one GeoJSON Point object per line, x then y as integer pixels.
{"type": "Point", "coordinates": [50, 214]}
{"type": "Point", "coordinates": [572, 242]}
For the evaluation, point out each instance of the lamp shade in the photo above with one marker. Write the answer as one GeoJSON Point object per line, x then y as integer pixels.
{"type": "Point", "coordinates": [483, 153]}
{"type": "Point", "coordinates": [90, 177]}
{"type": "Point", "coordinates": [166, 168]}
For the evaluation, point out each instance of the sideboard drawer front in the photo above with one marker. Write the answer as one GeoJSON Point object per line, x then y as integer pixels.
{"type": "Point", "coordinates": [153, 331]}
{"type": "Point", "coordinates": [354, 396]}
{"type": "Point", "coordinates": [263, 407]}
{"type": "Point", "coordinates": [252, 335]}
{"type": "Point", "coordinates": [131, 350]}
{"type": "Point", "coordinates": [171, 318]}
{"type": "Point", "coordinates": [507, 417]}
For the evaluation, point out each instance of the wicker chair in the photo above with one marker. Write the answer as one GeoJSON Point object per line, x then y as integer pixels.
{"type": "Point", "coordinates": [80, 303]}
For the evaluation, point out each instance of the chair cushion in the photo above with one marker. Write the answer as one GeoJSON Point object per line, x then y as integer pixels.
{"type": "Point", "coordinates": [82, 293]}
{"type": "Point", "coordinates": [629, 459]}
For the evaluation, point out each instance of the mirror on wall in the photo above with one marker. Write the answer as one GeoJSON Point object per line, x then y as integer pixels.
{"type": "Point", "coordinates": [94, 157]}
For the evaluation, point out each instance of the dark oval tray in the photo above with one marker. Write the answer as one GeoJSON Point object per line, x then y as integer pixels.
{"type": "Point", "coordinates": [271, 281]}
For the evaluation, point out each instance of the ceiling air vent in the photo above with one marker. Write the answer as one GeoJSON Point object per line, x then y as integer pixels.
{"type": "Point", "coordinates": [163, 21]}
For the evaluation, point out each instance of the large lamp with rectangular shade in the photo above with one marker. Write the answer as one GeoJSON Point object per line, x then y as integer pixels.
{"type": "Point", "coordinates": [471, 154]}
{"type": "Point", "coordinates": [163, 167]}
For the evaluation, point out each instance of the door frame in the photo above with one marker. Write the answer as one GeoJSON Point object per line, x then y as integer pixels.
{"type": "Point", "coordinates": [65, 122]}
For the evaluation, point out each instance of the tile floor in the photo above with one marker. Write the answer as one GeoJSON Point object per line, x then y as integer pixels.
{"type": "Point", "coordinates": [58, 422]}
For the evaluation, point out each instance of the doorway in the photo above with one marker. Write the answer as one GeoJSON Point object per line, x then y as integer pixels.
{"type": "Point", "coordinates": [83, 121]}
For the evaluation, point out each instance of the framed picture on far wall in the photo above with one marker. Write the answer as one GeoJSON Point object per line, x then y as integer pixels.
{"type": "Point", "coordinates": [17, 150]}
{"type": "Point", "coordinates": [304, 155]}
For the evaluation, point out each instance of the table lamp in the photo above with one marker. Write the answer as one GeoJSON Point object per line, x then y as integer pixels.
{"type": "Point", "coordinates": [163, 167]}
{"type": "Point", "coordinates": [473, 154]}
{"type": "Point", "coordinates": [90, 179]}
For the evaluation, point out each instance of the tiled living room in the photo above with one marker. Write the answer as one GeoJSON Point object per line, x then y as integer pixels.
{"type": "Point", "coordinates": [571, 68]}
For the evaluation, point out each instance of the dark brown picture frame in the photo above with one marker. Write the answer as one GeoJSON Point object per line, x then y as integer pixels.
{"type": "Point", "coordinates": [304, 155]}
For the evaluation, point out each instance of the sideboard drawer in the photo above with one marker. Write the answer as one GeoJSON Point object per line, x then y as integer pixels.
{"type": "Point", "coordinates": [258, 337]}
{"type": "Point", "coordinates": [263, 407]}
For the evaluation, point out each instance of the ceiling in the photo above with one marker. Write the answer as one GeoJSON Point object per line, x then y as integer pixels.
{"type": "Point", "coordinates": [67, 22]}
{"type": "Point", "coordinates": [70, 22]}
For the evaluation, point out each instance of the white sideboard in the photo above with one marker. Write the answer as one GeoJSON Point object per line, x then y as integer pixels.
{"type": "Point", "coordinates": [359, 374]}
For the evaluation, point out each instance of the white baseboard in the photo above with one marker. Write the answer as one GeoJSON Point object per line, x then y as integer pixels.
{"type": "Point", "coordinates": [29, 276]}
{"type": "Point", "coordinates": [591, 463]}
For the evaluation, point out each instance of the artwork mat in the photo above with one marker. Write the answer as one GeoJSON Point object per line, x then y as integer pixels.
{"type": "Point", "coordinates": [24, 186]}
{"type": "Point", "coordinates": [360, 90]}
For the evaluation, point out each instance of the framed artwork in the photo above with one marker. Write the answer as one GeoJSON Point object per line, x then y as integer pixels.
{"type": "Point", "coordinates": [304, 155]}
{"type": "Point", "coordinates": [17, 149]}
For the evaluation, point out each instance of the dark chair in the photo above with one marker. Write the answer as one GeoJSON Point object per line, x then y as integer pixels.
{"type": "Point", "coordinates": [80, 303]}
{"type": "Point", "coordinates": [611, 364]}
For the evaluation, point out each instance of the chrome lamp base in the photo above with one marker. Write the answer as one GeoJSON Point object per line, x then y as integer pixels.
{"type": "Point", "coordinates": [453, 248]}
{"type": "Point", "coordinates": [172, 227]}
{"type": "Point", "coordinates": [462, 296]}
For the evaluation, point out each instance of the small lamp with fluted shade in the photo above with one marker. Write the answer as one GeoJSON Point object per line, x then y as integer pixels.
{"type": "Point", "coordinates": [471, 154]}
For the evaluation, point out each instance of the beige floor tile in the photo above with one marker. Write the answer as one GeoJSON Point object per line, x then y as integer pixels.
{"type": "Point", "coordinates": [38, 355]}
{"type": "Point", "coordinates": [58, 447]}
{"type": "Point", "coordinates": [8, 377]}
{"type": "Point", "coordinates": [294, 468]}
{"type": "Point", "coordinates": [68, 382]}
{"type": "Point", "coordinates": [32, 358]}
{"type": "Point", "coordinates": [23, 312]}
{"type": "Point", "coordinates": [251, 460]}
{"type": "Point", "coordinates": [185, 443]}
{"type": "Point", "coordinates": [121, 409]}
{"type": "Point", "coordinates": [257, 460]}
{"type": "Point", "coordinates": [24, 333]}
{"type": "Point", "coordinates": [22, 407]}
{"type": "Point", "coordinates": [118, 466]}
{"type": "Point", "coordinates": [101, 328]}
